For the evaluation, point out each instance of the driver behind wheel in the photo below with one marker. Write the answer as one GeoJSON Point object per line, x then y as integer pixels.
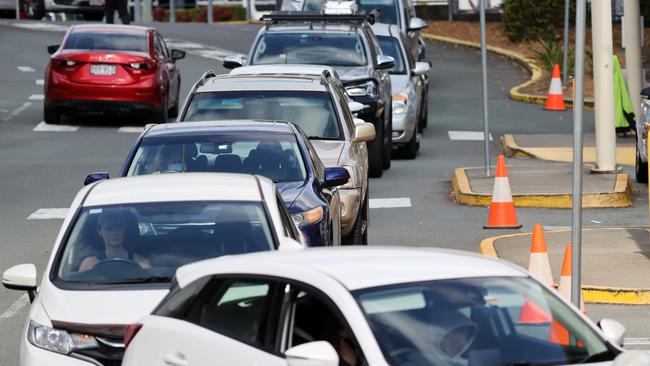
{"type": "Point", "coordinates": [112, 228]}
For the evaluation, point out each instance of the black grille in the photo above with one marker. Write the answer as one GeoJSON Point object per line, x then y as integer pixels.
{"type": "Point", "coordinates": [105, 354]}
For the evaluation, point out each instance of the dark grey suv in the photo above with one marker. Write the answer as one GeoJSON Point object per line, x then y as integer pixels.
{"type": "Point", "coordinates": [344, 42]}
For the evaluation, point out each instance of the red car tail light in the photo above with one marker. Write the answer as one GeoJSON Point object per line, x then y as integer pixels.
{"type": "Point", "coordinates": [141, 67]}
{"type": "Point", "coordinates": [129, 332]}
{"type": "Point", "coordinates": [67, 65]}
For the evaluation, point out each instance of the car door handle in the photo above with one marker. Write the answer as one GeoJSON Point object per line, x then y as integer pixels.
{"type": "Point", "coordinates": [176, 359]}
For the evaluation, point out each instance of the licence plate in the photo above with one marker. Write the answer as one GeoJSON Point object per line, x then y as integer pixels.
{"type": "Point", "coordinates": [102, 69]}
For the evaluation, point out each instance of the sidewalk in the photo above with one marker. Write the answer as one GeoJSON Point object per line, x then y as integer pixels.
{"type": "Point", "coordinates": [543, 184]}
{"type": "Point", "coordinates": [615, 261]}
{"type": "Point", "coordinates": [558, 147]}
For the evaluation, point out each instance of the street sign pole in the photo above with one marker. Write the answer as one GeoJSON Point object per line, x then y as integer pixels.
{"type": "Point", "coordinates": [210, 11]}
{"type": "Point", "coordinates": [17, 9]}
{"type": "Point", "coordinates": [578, 102]}
{"type": "Point", "coordinates": [565, 51]}
{"type": "Point", "coordinates": [486, 131]}
{"type": "Point", "coordinates": [137, 11]}
{"type": "Point", "coordinates": [172, 11]}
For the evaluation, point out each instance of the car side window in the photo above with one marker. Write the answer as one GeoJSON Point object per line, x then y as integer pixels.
{"type": "Point", "coordinates": [342, 101]}
{"type": "Point", "coordinates": [319, 169]}
{"type": "Point", "coordinates": [289, 227]}
{"type": "Point", "coordinates": [159, 45]}
{"type": "Point", "coordinates": [178, 302]}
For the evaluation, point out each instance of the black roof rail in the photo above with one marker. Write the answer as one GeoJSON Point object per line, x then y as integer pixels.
{"type": "Point", "coordinates": [313, 16]}
{"type": "Point", "coordinates": [199, 83]}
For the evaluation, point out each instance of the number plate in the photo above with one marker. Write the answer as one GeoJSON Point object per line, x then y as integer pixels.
{"type": "Point", "coordinates": [102, 69]}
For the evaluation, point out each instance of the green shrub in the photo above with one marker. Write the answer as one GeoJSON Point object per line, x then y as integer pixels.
{"type": "Point", "coordinates": [528, 20]}
{"type": "Point", "coordinates": [550, 53]}
{"type": "Point", "coordinates": [239, 13]}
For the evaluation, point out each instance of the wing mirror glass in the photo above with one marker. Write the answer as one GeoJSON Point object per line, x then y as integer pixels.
{"type": "Point", "coordinates": [234, 61]}
{"type": "Point", "coordinates": [415, 24]}
{"type": "Point", "coordinates": [612, 330]}
{"type": "Point", "coordinates": [421, 68]}
{"type": "Point", "coordinates": [94, 177]}
{"type": "Point", "coordinates": [177, 54]}
{"type": "Point", "coordinates": [318, 353]}
{"type": "Point", "coordinates": [385, 62]}
{"type": "Point", "coordinates": [21, 277]}
{"type": "Point", "coordinates": [52, 49]}
{"type": "Point", "coordinates": [335, 176]}
{"type": "Point", "coordinates": [364, 131]}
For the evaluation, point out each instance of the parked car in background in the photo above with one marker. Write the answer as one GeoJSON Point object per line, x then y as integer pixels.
{"type": "Point", "coordinates": [366, 306]}
{"type": "Point", "coordinates": [274, 149]}
{"type": "Point", "coordinates": [409, 89]}
{"type": "Point", "coordinates": [102, 68]}
{"type": "Point", "coordinates": [344, 42]}
{"type": "Point", "coordinates": [119, 247]}
{"type": "Point", "coordinates": [641, 166]}
{"type": "Point", "coordinates": [313, 98]}
{"type": "Point", "coordinates": [90, 10]}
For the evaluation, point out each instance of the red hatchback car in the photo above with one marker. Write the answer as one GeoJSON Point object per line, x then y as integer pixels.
{"type": "Point", "coordinates": [114, 69]}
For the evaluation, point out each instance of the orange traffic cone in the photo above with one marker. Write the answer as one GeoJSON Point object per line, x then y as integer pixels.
{"type": "Point", "coordinates": [555, 98]}
{"type": "Point", "coordinates": [566, 277]}
{"type": "Point", "coordinates": [532, 313]}
{"type": "Point", "coordinates": [539, 265]}
{"type": "Point", "coordinates": [502, 208]}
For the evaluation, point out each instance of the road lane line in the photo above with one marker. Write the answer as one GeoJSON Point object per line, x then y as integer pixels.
{"type": "Point", "coordinates": [17, 110]}
{"type": "Point", "coordinates": [48, 214]}
{"type": "Point", "coordinates": [36, 97]}
{"type": "Point", "coordinates": [26, 69]}
{"type": "Point", "coordinates": [128, 129]}
{"type": "Point", "coordinates": [41, 26]}
{"type": "Point", "coordinates": [636, 342]}
{"type": "Point", "coordinates": [40, 82]}
{"type": "Point", "coordinates": [390, 202]}
{"type": "Point", "coordinates": [467, 135]}
{"type": "Point", "coordinates": [44, 127]}
{"type": "Point", "coordinates": [15, 307]}
{"type": "Point", "coordinates": [199, 49]}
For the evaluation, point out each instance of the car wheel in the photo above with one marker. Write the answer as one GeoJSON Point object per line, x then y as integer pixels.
{"type": "Point", "coordinates": [641, 169]}
{"type": "Point", "coordinates": [35, 9]}
{"type": "Point", "coordinates": [51, 116]}
{"type": "Point", "coordinates": [410, 150]}
{"type": "Point", "coordinates": [161, 115]}
{"type": "Point", "coordinates": [359, 233]}
{"type": "Point", "coordinates": [173, 111]}
{"type": "Point", "coordinates": [376, 151]}
{"type": "Point", "coordinates": [388, 145]}
{"type": "Point", "coordinates": [423, 120]}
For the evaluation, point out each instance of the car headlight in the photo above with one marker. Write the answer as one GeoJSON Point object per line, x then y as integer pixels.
{"type": "Point", "coordinates": [308, 217]}
{"type": "Point", "coordinates": [399, 103]}
{"type": "Point", "coordinates": [58, 340]}
{"type": "Point", "coordinates": [365, 89]}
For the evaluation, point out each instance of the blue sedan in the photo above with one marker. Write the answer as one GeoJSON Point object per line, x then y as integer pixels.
{"type": "Point", "coordinates": [277, 150]}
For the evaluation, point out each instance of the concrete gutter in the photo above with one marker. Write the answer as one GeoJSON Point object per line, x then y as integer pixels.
{"type": "Point", "coordinates": [516, 91]}
{"type": "Point", "coordinates": [590, 293]}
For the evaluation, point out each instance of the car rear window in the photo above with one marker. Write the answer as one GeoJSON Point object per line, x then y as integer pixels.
{"type": "Point", "coordinates": [106, 41]}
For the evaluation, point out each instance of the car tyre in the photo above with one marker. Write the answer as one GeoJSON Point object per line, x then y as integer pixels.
{"type": "Point", "coordinates": [51, 116]}
{"type": "Point", "coordinates": [173, 111]}
{"type": "Point", "coordinates": [376, 151]}
{"type": "Point", "coordinates": [359, 233]}
{"type": "Point", "coordinates": [410, 150]}
{"type": "Point", "coordinates": [35, 9]}
{"type": "Point", "coordinates": [161, 115]}
{"type": "Point", "coordinates": [641, 169]}
{"type": "Point", "coordinates": [424, 113]}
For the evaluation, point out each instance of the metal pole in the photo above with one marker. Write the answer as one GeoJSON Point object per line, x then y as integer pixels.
{"type": "Point", "coordinates": [137, 11]}
{"type": "Point", "coordinates": [486, 131]}
{"type": "Point", "coordinates": [578, 104]}
{"type": "Point", "coordinates": [631, 29]}
{"type": "Point", "coordinates": [147, 17]}
{"type": "Point", "coordinates": [210, 15]}
{"type": "Point", "coordinates": [565, 51]}
{"type": "Point", "coordinates": [249, 12]}
{"type": "Point", "coordinates": [172, 11]}
{"type": "Point", "coordinates": [450, 9]}
{"type": "Point", "coordinates": [17, 9]}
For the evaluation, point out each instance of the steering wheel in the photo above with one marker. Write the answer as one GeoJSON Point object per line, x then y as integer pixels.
{"type": "Point", "coordinates": [124, 266]}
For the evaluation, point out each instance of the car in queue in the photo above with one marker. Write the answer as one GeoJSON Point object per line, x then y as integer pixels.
{"type": "Point", "coordinates": [277, 150]}
{"type": "Point", "coordinates": [367, 306]}
{"type": "Point", "coordinates": [313, 98]}
{"type": "Point", "coordinates": [118, 250]}
{"type": "Point", "coordinates": [103, 68]}
{"type": "Point", "coordinates": [409, 88]}
{"type": "Point", "coordinates": [641, 162]}
{"type": "Point", "coordinates": [340, 39]}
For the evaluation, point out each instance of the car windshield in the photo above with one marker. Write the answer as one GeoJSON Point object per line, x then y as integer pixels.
{"type": "Point", "coordinates": [387, 8]}
{"type": "Point", "coordinates": [312, 111]}
{"type": "Point", "coordinates": [390, 47]}
{"type": "Point", "coordinates": [147, 242]}
{"type": "Point", "coordinates": [276, 157]}
{"type": "Point", "coordinates": [106, 42]}
{"type": "Point", "coordinates": [310, 48]}
{"type": "Point", "coordinates": [478, 322]}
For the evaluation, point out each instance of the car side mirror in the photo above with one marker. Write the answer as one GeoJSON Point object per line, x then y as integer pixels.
{"type": "Point", "coordinates": [94, 177]}
{"type": "Point", "coordinates": [318, 353]}
{"type": "Point", "coordinates": [21, 277]}
{"type": "Point", "coordinates": [177, 54]}
{"type": "Point", "coordinates": [335, 176]}
{"type": "Point", "coordinates": [364, 131]}
{"type": "Point", "coordinates": [52, 49]}
{"type": "Point", "coordinates": [234, 61]}
{"type": "Point", "coordinates": [645, 93]}
{"type": "Point", "coordinates": [385, 62]}
{"type": "Point", "coordinates": [416, 24]}
{"type": "Point", "coordinates": [356, 107]}
{"type": "Point", "coordinates": [613, 331]}
{"type": "Point", "coordinates": [421, 68]}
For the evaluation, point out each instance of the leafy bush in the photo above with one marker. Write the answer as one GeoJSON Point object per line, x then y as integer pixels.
{"type": "Point", "coordinates": [533, 19]}
{"type": "Point", "coordinates": [550, 53]}
{"type": "Point", "coordinates": [220, 13]}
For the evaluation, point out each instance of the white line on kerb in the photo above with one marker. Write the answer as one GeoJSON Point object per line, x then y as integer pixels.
{"type": "Point", "coordinates": [36, 97]}
{"type": "Point", "coordinates": [26, 69]}
{"type": "Point", "coordinates": [44, 127]}
{"type": "Point", "coordinates": [40, 82]}
{"type": "Point", "coordinates": [48, 214]}
{"type": "Point", "coordinates": [467, 135]}
{"type": "Point", "coordinates": [15, 307]}
{"type": "Point", "coordinates": [637, 342]}
{"type": "Point", "coordinates": [390, 202]}
{"type": "Point", "coordinates": [130, 129]}
{"type": "Point", "coordinates": [17, 110]}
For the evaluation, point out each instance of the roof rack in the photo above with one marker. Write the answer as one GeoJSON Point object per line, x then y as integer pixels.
{"type": "Point", "coordinates": [313, 16]}
{"type": "Point", "coordinates": [206, 75]}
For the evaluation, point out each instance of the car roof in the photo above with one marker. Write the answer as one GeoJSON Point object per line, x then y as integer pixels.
{"type": "Point", "coordinates": [383, 29]}
{"type": "Point", "coordinates": [110, 28]}
{"type": "Point", "coordinates": [165, 188]}
{"type": "Point", "coordinates": [313, 27]}
{"type": "Point", "coordinates": [283, 69]}
{"type": "Point", "coordinates": [360, 267]}
{"type": "Point", "coordinates": [254, 82]}
{"type": "Point", "coordinates": [244, 126]}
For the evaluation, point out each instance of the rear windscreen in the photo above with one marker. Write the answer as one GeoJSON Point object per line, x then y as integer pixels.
{"type": "Point", "coordinates": [106, 41]}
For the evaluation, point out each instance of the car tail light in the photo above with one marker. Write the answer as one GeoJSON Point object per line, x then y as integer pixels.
{"type": "Point", "coordinates": [66, 64]}
{"type": "Point", "coordinates": [129, 332]}
{"type": "Point", "coordinates": [141, 67]}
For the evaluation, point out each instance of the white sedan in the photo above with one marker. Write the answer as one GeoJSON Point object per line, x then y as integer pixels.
{"type": "Point", "coordinates": [119, 248]}
{"type": "Point", "coordinates": [365, 306]}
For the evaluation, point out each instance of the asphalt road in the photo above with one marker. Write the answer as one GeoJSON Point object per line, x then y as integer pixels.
{"type": "Point", "coordinates": [45, 169]}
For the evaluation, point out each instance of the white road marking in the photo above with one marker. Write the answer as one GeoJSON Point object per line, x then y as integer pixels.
{"type": "Point", "coordinates": [41, 26]}
{"type": "Point", "coordinates": [26, 69]}
{"type": "Point", "coordinates": [44, 127]}
{"type": "Point", "coordinates": [199, 49]}
{"type": "Point", "coordinates": [390, 202]}
{"type": "Point", "coordinates": [130, 129]}
{"type": "Point", "coordinates": [36, 97]}
{"type": "Point", "coordinates": [17, 110]}
{"type": "Point", "coordinates": [40, 82]}
{"type": "Point", "coordinates": [467, 135]}
{"type": "Point", "coordinates": [48, 214]}
{"type": "Point", "coordinates": [636, 342]}
{"type": "Point", "coordinates": [15, 307]}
